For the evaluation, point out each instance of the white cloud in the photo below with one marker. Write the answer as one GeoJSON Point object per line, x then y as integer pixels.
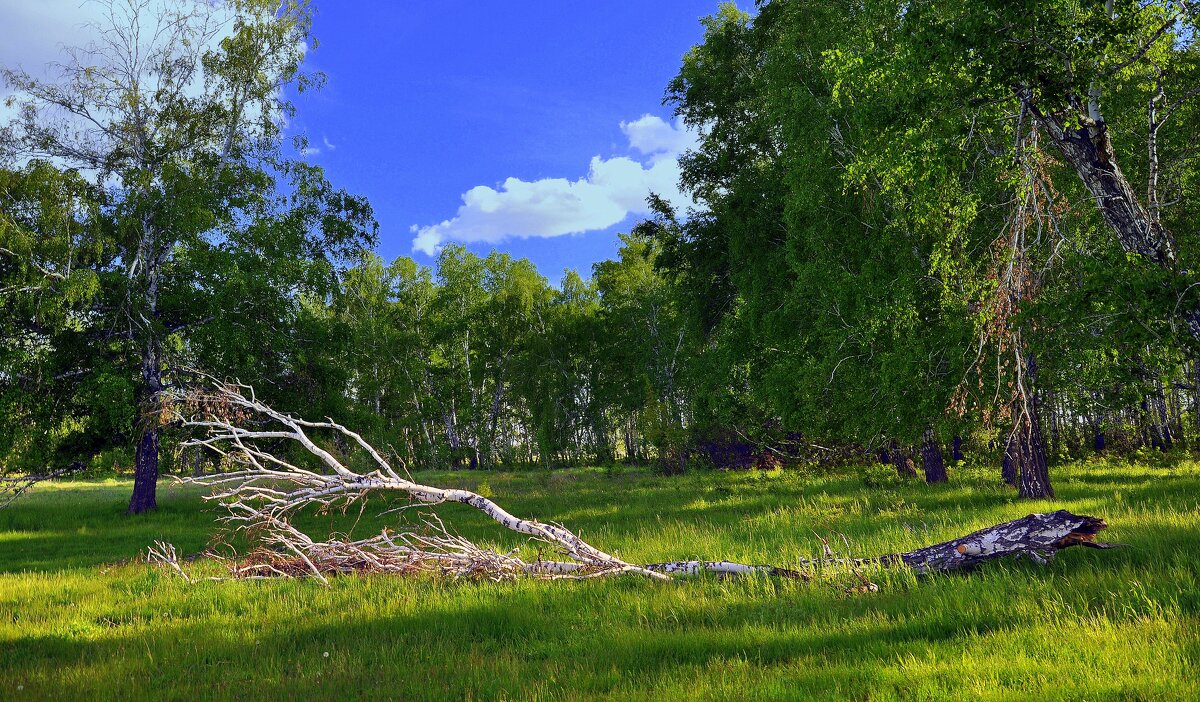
{"type": "Point", "coordinates": [612, 190]}
{"type": "Point", "coordinates": [653, 135]}
{"type": "Point", "coordinates": [328, 146]}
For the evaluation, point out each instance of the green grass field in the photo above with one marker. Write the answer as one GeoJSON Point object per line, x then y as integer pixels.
{"type": "Point", "coordinates": [82, 618]}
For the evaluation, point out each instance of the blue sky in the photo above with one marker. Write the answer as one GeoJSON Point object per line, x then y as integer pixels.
{"type": "Point", "coordinates": [427, 100]}
{"type": "Point", "coordinates": [495, 124]}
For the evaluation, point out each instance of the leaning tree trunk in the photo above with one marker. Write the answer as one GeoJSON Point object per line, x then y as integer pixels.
{"type": "Point", "coordinates": [1088, 149]}
{"type": "Point", "coordinates": [931, 458]}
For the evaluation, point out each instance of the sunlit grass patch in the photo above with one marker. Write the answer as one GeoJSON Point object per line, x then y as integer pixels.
{"type": "Point", "coordinates": [82, 618]}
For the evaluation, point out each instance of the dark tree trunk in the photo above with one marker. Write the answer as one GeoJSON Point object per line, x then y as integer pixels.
{"type": "Point", "coordinates": [145, 474]}
{"type": "Point", "coordinates": [1196, 394]}
{"type": "Point", "coordinates": [957, 454]}
{"type": "Point", "coordinates": [1008, 464]}
{"type": "Point", "coordinates": [931, 459]}
{"type": "Point", "coordinates": [1098, 441]}
{"type": "Point", "coordinates": [905, 467]}
{"type": "Point", "coordinates": [145, 462]}
{"type": "Point", "coordinates": [1032, 465]}
{"type": "Point", "coordinates": [1052, 401]}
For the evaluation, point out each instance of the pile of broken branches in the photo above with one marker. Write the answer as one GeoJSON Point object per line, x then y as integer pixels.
{"type": "Point", "coordinates": [264, 490]}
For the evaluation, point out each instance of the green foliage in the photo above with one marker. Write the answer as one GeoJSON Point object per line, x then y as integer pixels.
{"type": "Point", "coordinates": [885, 237]}
{"type": "Point", "coordinates": [171, 233]}
{"type": "Point", "coordinates": [484, 363]}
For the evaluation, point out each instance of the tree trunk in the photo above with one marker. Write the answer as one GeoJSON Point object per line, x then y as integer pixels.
{"type": "Point", "coordinates": [494, 418]}
{"type": "Point", "coordinates": [1032, 466]}
{"type": "Point", "coordinates": [451, 431]}
{"type": "Point", "coordinates": [1166, 441]}
{"type": "Point", "coordinates": [957, 454]}
{"type": "Point", "coordinates": [1196, 395]}
{"type": "Point", "coordinates": [1008, 464]}
{"type": "Point", "coordinates": [1088, 149]}
{"type": "Point", "coordinates": [262, 500]}
{"type": "Point", "coordinates": [903, 463]}
{"type": "Point", "coordinates": [1053, 422]}
{"type": "Point", "coordinates": [931, 459]}
{"type": "Point", "coordinates": [145, 471]}
{"type": "Point", "coordinates": [1038, 536]}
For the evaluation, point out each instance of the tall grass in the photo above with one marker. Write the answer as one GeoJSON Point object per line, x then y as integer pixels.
{"type": "Point", "coordinates": [81, 618]}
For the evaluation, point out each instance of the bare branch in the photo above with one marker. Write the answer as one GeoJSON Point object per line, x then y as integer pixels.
{"type": "Point", "coordinates": [265, 490]}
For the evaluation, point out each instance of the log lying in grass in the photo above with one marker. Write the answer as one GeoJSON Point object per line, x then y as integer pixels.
{"type": "Point", "coordinates": [1038, 536]}
{"type": "Point", "coordinates": [266, 490]}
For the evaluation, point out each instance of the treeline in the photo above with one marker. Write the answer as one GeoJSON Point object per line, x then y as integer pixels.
{"type": "Point", "coordinates": [921, 230]}
{"type": "Point", "coordinates": [481, 362]}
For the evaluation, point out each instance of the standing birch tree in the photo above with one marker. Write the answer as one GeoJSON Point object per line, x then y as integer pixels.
{"type": "Point", "coordinates": [176, 113]}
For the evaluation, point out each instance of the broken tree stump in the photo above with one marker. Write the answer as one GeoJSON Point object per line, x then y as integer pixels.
{"type": "Point", "coordinates": [1038, 536]}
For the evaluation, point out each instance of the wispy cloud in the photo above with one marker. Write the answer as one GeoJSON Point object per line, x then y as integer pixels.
{"type": "Point", "coordinates": [309, 150]}
{"type": "Point", "coordinates": [613, 189]}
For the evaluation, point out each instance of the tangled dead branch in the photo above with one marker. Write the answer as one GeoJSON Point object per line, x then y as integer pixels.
{"type": "Point", "coordinates": [264, 492]}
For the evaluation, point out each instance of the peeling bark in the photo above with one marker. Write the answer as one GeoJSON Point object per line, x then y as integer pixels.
{"type": "Point", "coordinates": [1088, 149]}
{"type": "Point", "coordinates": [1038, 536]}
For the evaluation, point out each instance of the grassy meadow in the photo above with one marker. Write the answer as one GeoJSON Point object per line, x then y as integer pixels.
{"type": "Point", "coordinates": [82, 618]}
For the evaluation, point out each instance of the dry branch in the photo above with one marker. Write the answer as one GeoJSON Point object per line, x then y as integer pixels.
{"type": "Point", "coordinates": [265, 490]}
{"type": "Point", "coordinates": [13, 487]}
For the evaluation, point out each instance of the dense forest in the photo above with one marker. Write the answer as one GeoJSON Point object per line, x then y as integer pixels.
{"type": "Point", "coordinates": [923, 232]}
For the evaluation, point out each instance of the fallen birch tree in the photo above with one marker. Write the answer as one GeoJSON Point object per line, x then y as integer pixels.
{"type": "Point", "coordinates": [264, 491]}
